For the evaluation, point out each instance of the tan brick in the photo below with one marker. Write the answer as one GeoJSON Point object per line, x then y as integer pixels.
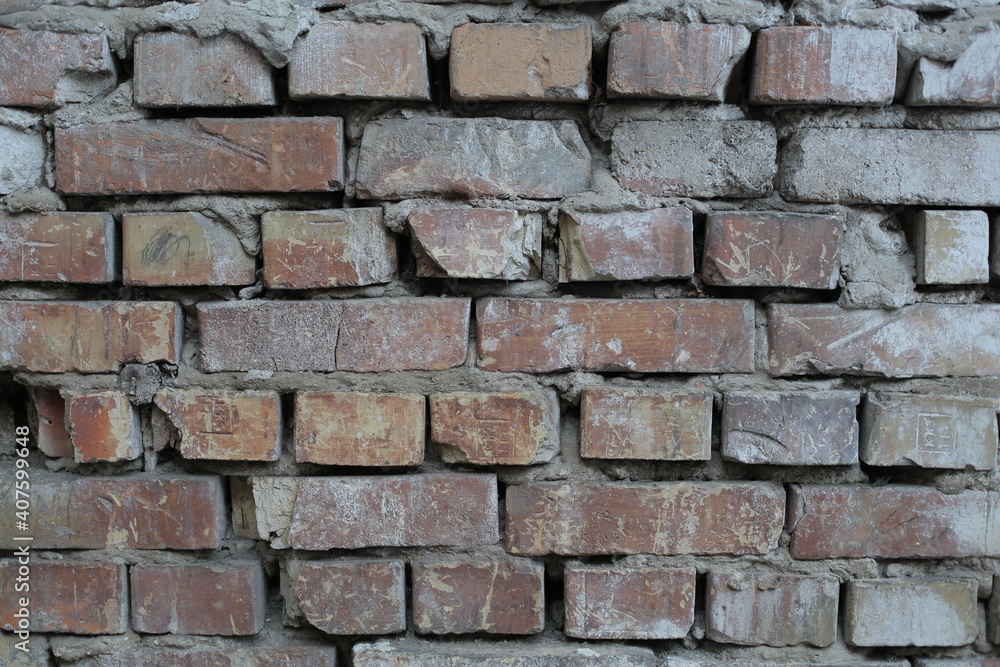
{"type": "Point", "coordinates": [347, 597]}
{"type": "Point", "coordinates": [58, 247]}
{"type": "Point", "coordinates": [923, 612]}
{"type": "Point", "coordinates": [358, 429]}
{"type": "Point", "coordinates": [645, 424]}
{"type": "Point", "coordinates": [50, 413]}
{"type": "Point", "coordinates": [971, 80]}
{"type": "Point", "coordinates": [512, 428]}
{"type": "Point", "coordinates": [103, 426]}
{"type": "Point", "coordinates": [952, 247]}
{"type": "Point", "coordinates": [44, 69]}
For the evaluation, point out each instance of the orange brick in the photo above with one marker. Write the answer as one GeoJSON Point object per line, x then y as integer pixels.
{"type": "Point", "coordinates": [103, 426]}
{"type": "Point", "coordinates": [348, 597]}
{"type": "Point", "coordinates": [58, 247]}
{"type": "Point", "coordinates": [44, 69]}
{"type": "Point", "coordinates": [50, 411]}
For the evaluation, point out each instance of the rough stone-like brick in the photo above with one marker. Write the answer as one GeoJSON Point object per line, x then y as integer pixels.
{"type": "Point", "coordinates": [103, 426]}
{"type": "Point", "coordinates": [929, 431]}
{"type": "Point", "coordinates": [863, 166]}
{"type": "Point", "coordinates": [14, 652]}
{"type": "Point", "coordinates": [626, 245]}
{"type": "Point", "coordinates": [773, 249]}
{"type": "Point", "coordinates": [79, 598]}
{"type": "Point", "coordinates": [22, 159]}
{"type": "Point", "coordinates": [504, 654]}
{"type": "Point", "coordinates": [629, 603]}
{"type": "Point", "coordinates": [358, 429]}
{"type": "Point", "coordinates": [224, 425]}
{"type": "Point", "coordinates": [696, 660]}
{"type": "Point", "coordinates": [791, 428]}
{"type": "Point", "coordinates": [993, 612]}
{"type": "Point", "coordinates": [58, 247]}
{"type": "Point", "coordinates": [674, 60]}
{"type": "Point", "coordinates": [50, 411]}
{"type": "Point", "coordinates": [664, 335]}
{"type": "Point", "coordinates": [43, 69]}
{"type": "Point", "coordinates": [952, 247]}
{"type": "Point", "coordinates": [201, 155]}
{"type": "Point", "coordinates": [971, 80]}
{"type": "Point", "coordinates": [177, 70]}
{"type": "Point", "coordinates": [182, 249]}
{"type": "Point", "coordinates": [360, 60]}
{"type": "Point", "coordinates": [347, 597]}
{"type": "Point", "coordinates": [89, 336]}
{"type": "Point", "coordinates": [910, 612]}
{"type": "Point", "coordinates": [956, 662]}
{"type": "Point", "coordinates": [476, 243]}
{"type": "Point", "coordinates": [894, 521]}
{"type": "Point", "coordinates": [771, 609]}
{"type": "Point", "coordinates": [817, 65]}
{"type": "Point", "coordinates": [645, 424]}
{"type": "Point", "coordinates": [920, 340]}
{"type": "Point", "coordinates": [512, 428]}
{"type": "Point", "coordinates": [283, 656]}
{"type": "Point", "coordinates": [594, 518]}
{"type": "Point", "coordinates": [504, 598]}
{"type": "Point", "coordinates": [332, 248]}
{"type": "Point", "coordinates": [204, 599]}
{"type": "Point", "coordinates": [403, 158]}
{"type": "Point", "coordinates": [520, 61]}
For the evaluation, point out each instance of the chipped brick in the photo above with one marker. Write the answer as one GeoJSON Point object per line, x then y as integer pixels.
{"type": "Point", "coordinates": [348, 597]}
{"type": "Point", "coordinates": [43, 69]}
{"type": "Point", "coordinates": [103, 426]}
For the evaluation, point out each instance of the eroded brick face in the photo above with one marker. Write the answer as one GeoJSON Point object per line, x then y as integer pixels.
{"type": "Point", "coordinates": [45, 69]}
{"type": "Point", "coordinates": [928, 612]}
{"type": "Point", "coordinates": [350, 598]}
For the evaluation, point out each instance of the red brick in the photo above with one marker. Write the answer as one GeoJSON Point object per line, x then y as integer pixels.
{"type": "Point", "coordinates": [177, 70]}
{"type": "Point", "coordinates": [73, 597]}
{"type": "Point", "coordinates": [89, 337]}
{"type": "Point", "coordinates": [645, 424]}
{"type": "Point", "coordinates": [924, 612]}
{"type": "Point", "coordinates": [217, 599]}
{"type": "Point", "coordinates": [808, 64]}
{"type": "Point", "coordinates": [201, 155]}
{"type": "Point", "coordinates": [283, 656]}
{"type": "Point", "coordinates": [360, 60]}
{"type": "Point", "coordinates": [649, 336]}
{"type": "Point", "coordinates": [595, 518]}
{"type": "Point", "coordinates": [44, 69]}
{"type": "Point", "coordinates": [348, 597]}
{"type": "Point", "coordinates": [358, 429]}
{"type": "Point", "coordinates": [103, 426]}
{"type": "Point", "coordinates": [773, 249]}
{"type": "Point", "coordinates": [50, 410]}
{"type": "Point", "coordinates": [894, 521]}
{"type": "Point", "coordinates": [58, 247]}
{"type": "Point", "coordinates": [627, 245]}
{"type": "Point", "coordinates": [674, 60]}
{"type": "Point", "coordinates": [629, 603]}
{"type": "Point", "coordinates": [512, 428]}
{"type": "Point", "coordinates": [505, 598]}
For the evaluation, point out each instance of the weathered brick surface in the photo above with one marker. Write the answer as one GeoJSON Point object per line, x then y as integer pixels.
{"type": "Point", "coordinates": [645, 424]}
{"type": "Point", "coordinates": [284, 656]}
{"type": "Point", "coordinates": [103, 426]}
{"type": "Point", "coordinates": [348, 597]}
{"type": "Point", "coordinates": [201, 155]}
{"type": "Point", "coordinates": [592, 518]}
{"type": "Point", "coordinates": [927, 612]}
{"type": "Point", "coordinates": [44, 69]}
{"type": "Point", "coordinates": [627, 245]}
{"type": "Point", "coordinates": [894, 521]}
{"type": "Point", "coordinates": [50, 411]}
{"type": "Point", "coordinates": [971, 80]}
{"type": "Point", "coordinates": [17, 654]}
{"type": "Point", "coordinates": [505, 598]}
{"type": "Point", "coordinates": [629, 603]}
{"type": "Point", "coordinates": [669, 335]}
{"type": "Point", "coordinates": [993, 612]}
{"type": "Point", "coordinates": [952, 247]}
{"type": "Point", "coordinates": [22, 162]}
{"type": "Point", "coordinates": [58, 247]}
{"type": "Point", "coordinates": [550, 654]}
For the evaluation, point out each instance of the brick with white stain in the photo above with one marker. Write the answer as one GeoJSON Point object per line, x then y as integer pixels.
{"type": "Point", "coordinates": [952, 247]}
{"type": "Point", "coordinates": [923, 612]}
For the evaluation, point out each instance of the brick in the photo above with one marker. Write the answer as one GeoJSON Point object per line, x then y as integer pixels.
{"type": "Point", "coordinates": [971, 80]}
{"type": "Point", "coordinates": [629, 603]}
{"type": "Point", "coordinates": [505, 598]}
{"type": "Point", "coordinates": [928, 612]}
{"type": "Point", "coordinates": [89, 337]}
{"type": "Point", "coordinates": [492, 654]}
{"type": "Point", "coordinates": [771, 609]}
{"type": "Point", "coordinates": [722, 159]}
{"type": "Point", "coordinates": [686, 61]}
{"type": "Point", "coordinates": [103, 426]}
{"type": "Point", "coordinates": [815, 65]}
{"type": "Point", "coordinates": [893, 521]}
{"type": "Point", "coordinates": [773, 249]}
{"type": "Point", "coordinates": [300, 656]}
{"type": "Point", "coordinates": [476, 243]}
{"type": "Point", "coordinates": [360, 60]}
{"type": "Point", "coordinates": [43, 69]}
{"type": "Point", "coordinates": [182, 249]}
{"type": "Point", "coordinates": [791, 428]}
{"type": "Point", "coordinates": [332, 248]}
{"type": "Point", "coordinates": [216, 599]}
{"type": "Point", "coordinates": [348, 597]}
{"type": "Point", "coordinates": [22, 159]}
{"type": "Point", "coordinates": [957, 662]}
{"type": "Point", "coordinates": [79, 598]}
{"type": "Point", "coordinates": [201, 155]}
{"type": "Point", "coordinates": [929, 431]}
{"type": "Point", "coordinates": [952, 247]}
{"type": "Point", "coordinates": [645, 424]}
{"type": "Point", "coordinates": [58, 247]}
{"type": "Point", "coordinates": [626, 245]}
{"type": "Point", "coordinates": [920, 340]}
{"type": "Point", "coordinates": [861, 166]}
{"type": "Point", "coordinates": [694, 660]}
{"type": "Point", "coordinates": [224, 425]}
{"type": "Point", "coordinates": [416, 157]}
{"type": "Point", "coordinates": [177, 70]}
{"type": "Point", "coordinates": [50, 413]}
{"type": "Point", "coordinates": [648, 336]}
{"type": "Point", "coordinates": [359, 429]}
{"type": "Point", "coordinates": [511, 428]}
{"type": "Point", "coordinates": [596, 518]}
{"type": "Point", "coordinates": [14, 652]}
{"type": "Point", "coordinates": [546, 62]}
{"type": "Point", "coordinates": [993, 613]}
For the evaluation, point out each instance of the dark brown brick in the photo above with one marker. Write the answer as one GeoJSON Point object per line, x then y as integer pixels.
{"type": "Point", "coordinates": [58, 247]}
{"type": "Point", "coordinates": [348, 597]}
{"type": "Point", "coordinates": [44, 69]}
